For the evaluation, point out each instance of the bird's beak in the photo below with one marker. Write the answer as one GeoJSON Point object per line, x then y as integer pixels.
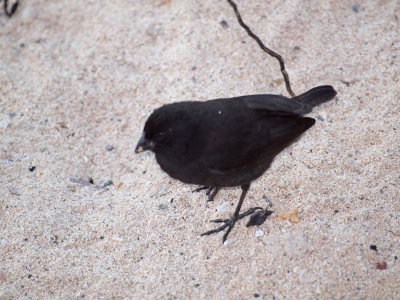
{"type": "Point", "coordinates": [144, 144]}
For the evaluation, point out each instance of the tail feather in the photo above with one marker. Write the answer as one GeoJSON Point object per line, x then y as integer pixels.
{"type": "Point", "coordinates": [316, 96]}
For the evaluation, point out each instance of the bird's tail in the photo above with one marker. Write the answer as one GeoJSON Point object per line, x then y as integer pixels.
{"type": "Point", "coordinates": [316, 96]}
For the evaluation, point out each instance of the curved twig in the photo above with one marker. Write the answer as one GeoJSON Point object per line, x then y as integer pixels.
{"type": "Point", "coordinates": [263, 47]}
{"type": "Point", "coordinates": [13, 8]}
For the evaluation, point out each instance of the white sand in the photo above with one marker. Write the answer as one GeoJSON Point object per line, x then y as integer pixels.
{"type": "Point", "coordinates": [83, 74]}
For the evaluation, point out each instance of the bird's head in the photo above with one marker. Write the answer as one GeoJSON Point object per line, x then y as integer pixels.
{"type": "Point", "coordinates": [165, 129]}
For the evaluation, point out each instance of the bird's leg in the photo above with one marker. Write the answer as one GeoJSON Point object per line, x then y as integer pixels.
{"type": "Point", "coordinates": [211, 191]}
{"type": "Point", "coordinates": [230, 223]}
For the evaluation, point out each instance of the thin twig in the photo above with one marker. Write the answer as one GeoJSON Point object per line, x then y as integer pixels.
{"type": "Point", "coordinates": [13, 8]}
{"type": "Point", "coordinates": [263, 47]}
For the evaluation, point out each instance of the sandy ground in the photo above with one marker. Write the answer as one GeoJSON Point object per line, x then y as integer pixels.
{"type": "Point", "coordinates": [77, 82]}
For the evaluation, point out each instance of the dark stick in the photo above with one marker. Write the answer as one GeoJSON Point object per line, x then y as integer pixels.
{"type": "Point", "coordinates": [13, 8]}
{"type": "Point", "coordinates": [263, 47]}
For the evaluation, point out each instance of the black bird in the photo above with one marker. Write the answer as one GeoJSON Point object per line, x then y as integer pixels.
{"type": "Point", "coordinates": [228, 142]}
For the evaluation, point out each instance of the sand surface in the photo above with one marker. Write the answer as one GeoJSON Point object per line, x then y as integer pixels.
{"type": "Point", "coordinates": [78, 80]}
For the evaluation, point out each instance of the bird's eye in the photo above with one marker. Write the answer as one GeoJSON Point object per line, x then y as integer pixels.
{"type": "Point", "coordinates": [160, 136]}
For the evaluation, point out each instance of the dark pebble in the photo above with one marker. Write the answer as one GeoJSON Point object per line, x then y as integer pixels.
{"type": "Point", "coordinates": [373, 247]}
{"type": "Point", "coordinates": [32, 168]}
{"type": "Point", "coordinates": [265, 198]}
{"type": "Point", "coordinates": [107, 183]}
{"type": "Point", "coordinates": [259, 217]}
{"type": "Point", "coordinates": [224, 24]}
{"type": "Point", "coordinates": [381, 266]}
{"type": "Point", "coordinates": [109, 147]}
{"type": "Point", "coordinates": [355, 8]}
{"type": "Point", "coordinates": [163, 207]}
{"type": "Point", "coordinates": [12, 114]}
{"type": "Point", "coordinates": [256, 295]}
{"type": "Point", "coordinates": [29, 275]}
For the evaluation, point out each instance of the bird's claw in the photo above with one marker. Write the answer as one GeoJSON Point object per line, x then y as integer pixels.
{"type": "Point", "coordinates": [227, 223]}
{"type": "Point", "coordinates": [211, 191]}
{"type": "Point", "coordinates": [230, 223]}
{"type": "Point", "coordinates": [241, 216]}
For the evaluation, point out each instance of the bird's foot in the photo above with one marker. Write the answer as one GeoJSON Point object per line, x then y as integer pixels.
{"type": "Point", "coordinates": [211, 191]}
{"type": "Point", "coordinates": [230, 223]}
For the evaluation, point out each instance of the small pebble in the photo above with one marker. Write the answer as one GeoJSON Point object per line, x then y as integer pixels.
{"type": "Point", "coordinates": [222, 208]}
{"type": "Point", "coordinates": [256, 295]}
{"type": "Point", "coordinates": [381, 266]}
{"type": "Point", "coordinates": [62, 124]}
{"type": "Point", "coordinates": [305, 277]}
{"type": "Point", "coordinates": [12, 114]}
{"type": "Point", "coordinates": [355, 8]}
{"type": "Point", "coordinates": [5, 123]}
{"type": "Point", "coordinates": [32, 168]}
{"type": "Point", "coordinates": [265, 198]}
{"type": "Point", "coordinates": [3, 276]}
{"type": "Point", "coordinates": [109, 147]}
{"type": "Point", "coordinates": [163, 207]}
{"type": "Point", "coordinates": [224, 24]}
{"type": "Point", "coordinates": [259, 232]}
{"type": "Point", "coordinates": [13, 190]}
{"type": "Point", "coordinates": [107, 183]}
{"type": "Point", "coordinates": [373, 247]}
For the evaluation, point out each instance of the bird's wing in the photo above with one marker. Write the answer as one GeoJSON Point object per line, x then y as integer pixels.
{"type": "Point", "coordinates": [251, 142]}
{"type": "Point", "coordinates": [276, 104]}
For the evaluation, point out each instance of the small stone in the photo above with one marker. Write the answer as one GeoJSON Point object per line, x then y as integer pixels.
{"type": "Point", "coordinates": [109, 147]}
{"type": "Point", "coordinates": [5, 123]}
{"type": "Point", "coordinates": [355, 8]}
{"type": "Point", "coordinates": [259, 232]}
{"type": "Point", "coordinates": [373, 247]}
{"type": "Point", "coordinates": [222, 208]}
{"type": "Point", "coordinates": [32, 168]}
{"type": "Point", "coordinates": [107, 183]}
{"type": "Point", "coordinates": [256, 295]}
{"type": "Point", "coordinates": [62, 124]}
{"type": "Point", "coordinates": [224, 24]}
{"type": "Point", "coordinates": [12, 114]}
{"type": "Point", "coordinates": [304, 277]}
{"type": "Point", "coordinates": [163, 206]}
{"type": "Point", "coordinates": [381, 266]}
{"type": "Point", "coordinates": [3, 276]}
{"type": "Point", "coordinates": [265, 198]}
{"type": "Point", "coordinates": [13, 190]}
